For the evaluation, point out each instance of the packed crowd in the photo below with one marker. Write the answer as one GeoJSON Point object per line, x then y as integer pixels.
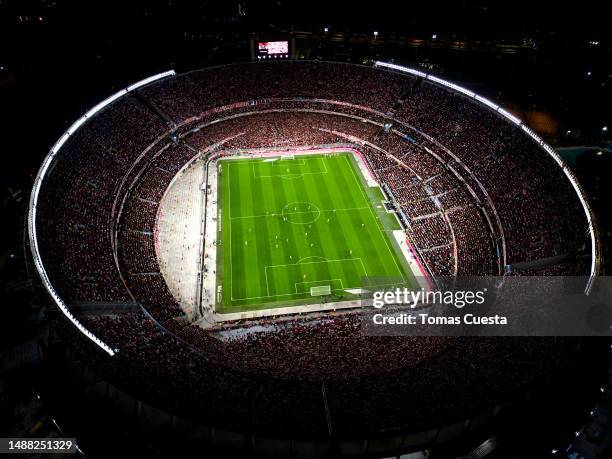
{"type": "Point", "coordinates": [75, 211]}
{"type": "Point", "coordinates": [540, 214]}
{"type": "Point", "coordinates": [266, 382]}
{"type": "Point", "coordinates": [420, 172]}
{"type": "Point", "coordinates": [192, 93]}
{"type": "Point", "coordinates": [102, 196]}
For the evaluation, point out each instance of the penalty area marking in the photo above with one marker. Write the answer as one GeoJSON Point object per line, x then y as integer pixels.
{"type": "Point", "coordinates": [339, 260]}
{"type": "Point", "coordinates": [291, 175]}
{"type": "Point", "coordinates": [296, 264]}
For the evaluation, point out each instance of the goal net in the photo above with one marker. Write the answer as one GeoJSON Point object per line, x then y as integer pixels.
{"type": "Point", "coordinates": [320, 290]}
{"type": "Point", "coordinates": [284, 157]}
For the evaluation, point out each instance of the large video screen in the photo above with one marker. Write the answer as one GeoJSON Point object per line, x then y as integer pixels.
{"type": "Point", "coordinates": [273, 48]}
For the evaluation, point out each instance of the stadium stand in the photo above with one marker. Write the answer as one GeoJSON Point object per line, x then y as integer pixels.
{"type": "Point", "coordinates": [479, 195]}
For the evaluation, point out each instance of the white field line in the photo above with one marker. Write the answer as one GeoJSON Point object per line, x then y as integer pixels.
{"type": "Point", "coordinates": [317, 281]}
{"type": "Point", "coordinates": [299, 162]}
{"type": "Point", "coordinates": [299, 212]}
{"type": "Point", "coordinates": [363, 266]}
{"type": "Point", "coordinates": [313, 262]}
{"type": "Point", "coordinates": [341, 260]}
{"type": "Point", "coordinates": [329, 210]}
{"type": "Point", "coordinates": [301, 294]}
{"type": "Point", "coordinates": [291, 175]}
{"type": "Point", "coordinates": [229, 213]}
{"type": "Point", "coordinates": [378, 224]}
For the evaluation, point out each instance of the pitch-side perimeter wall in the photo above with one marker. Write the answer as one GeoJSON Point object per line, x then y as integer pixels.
{"type": "Point", "coordinates": [412, 258]}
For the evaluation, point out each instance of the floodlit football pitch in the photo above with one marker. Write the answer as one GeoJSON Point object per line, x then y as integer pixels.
{"type": "Point", "coordinates": [300, 230]}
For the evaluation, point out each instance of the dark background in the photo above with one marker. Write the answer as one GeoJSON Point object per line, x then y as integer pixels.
{"type": "Point", "coordinates": [551, 63]}
{"type": "Point", "coordinates": [548, 62]}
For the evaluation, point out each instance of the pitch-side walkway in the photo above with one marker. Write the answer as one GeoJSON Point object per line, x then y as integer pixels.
{"type": "Point", "coordinates": [178, 241]}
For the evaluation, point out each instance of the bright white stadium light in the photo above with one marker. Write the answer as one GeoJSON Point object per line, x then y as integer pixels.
{"type": "Point", "coordinates": [61, 141]}
{"type": "Point", "coordinates": [34, 204]}
{"type": "Point", "coordinates": [150, 79]}
{"type": "Point", "coordinates": [400, 68]}
{"type": "Point", "coordinates": [509, 115]}
{"type": "Point", "coordinates": [77, 124]}
{"type": "Point", "coordinates": [537, 139]}
{"type": "Point", "coordinates": [551, 151]}
{"type": "Point", "coordinates": [454, 86]}
{"type": "Point", "coordinates": [376, 33]}
{"type": "Point", "coordinates": [486, 102]}
{"type": "Point", "coordinates": [605, 128]}
{"type": "Point", "coordinates": [96, 108]}
{"type": "Point", "coordinates": [532, 134]}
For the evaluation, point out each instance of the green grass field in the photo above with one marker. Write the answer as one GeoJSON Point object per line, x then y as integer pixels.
{"type": "Point", "coordinates": [292, 224]}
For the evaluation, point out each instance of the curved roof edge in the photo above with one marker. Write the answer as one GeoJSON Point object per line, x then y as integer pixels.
{"type": "Point", "coordinates": [34, 202]}
{"type": "Point", "coordinates": [595, 244]}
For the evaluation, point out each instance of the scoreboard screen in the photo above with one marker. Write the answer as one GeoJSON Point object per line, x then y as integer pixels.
{"type": "Point", "coordinates": [273, 49]}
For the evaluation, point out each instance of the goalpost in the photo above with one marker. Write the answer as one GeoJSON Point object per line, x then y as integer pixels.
{"type": "Point", "coordinates": [321, 290]}
{"type": "Point", "coordinates": [284, 157]}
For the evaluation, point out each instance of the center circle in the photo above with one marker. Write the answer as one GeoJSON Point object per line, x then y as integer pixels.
{"type": "Point", "coordinates": [301, 213]}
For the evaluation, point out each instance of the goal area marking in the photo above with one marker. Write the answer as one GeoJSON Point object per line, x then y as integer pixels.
{"type": "Point", "coordinates": [327, 283]}
{"type": "Point", "coordinates": [321, 290]}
